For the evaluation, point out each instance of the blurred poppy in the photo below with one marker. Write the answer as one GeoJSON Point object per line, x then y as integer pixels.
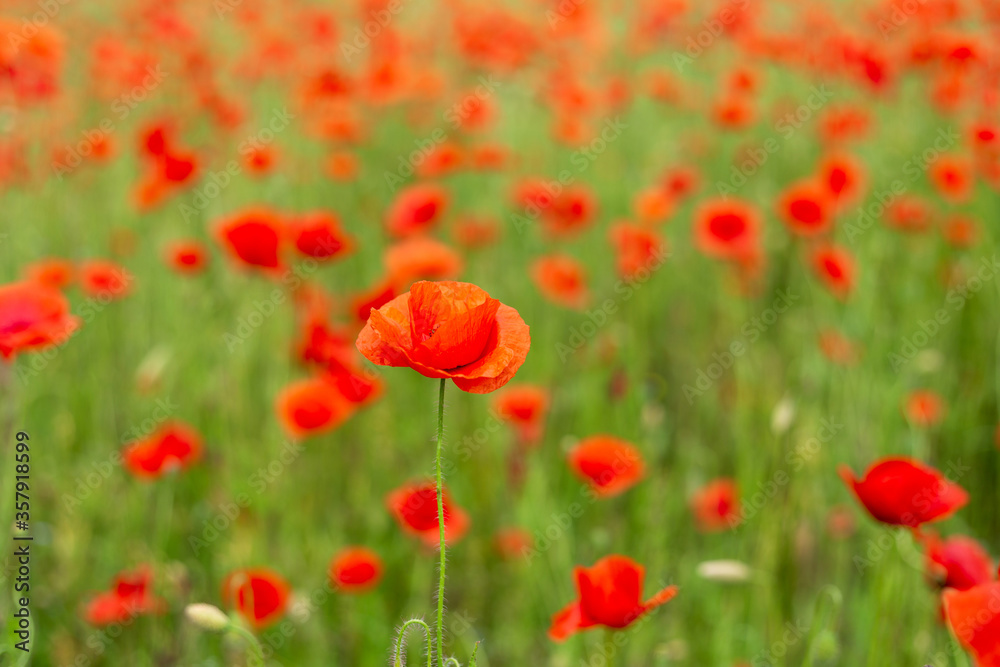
{"type": "Point", "coordinates": [33, 317]}
{"type": "Point", "coordinates": [318, 235]}
{"type": "Point", "coordinates": [475, 232]}
{"type": "Point", "coordinates": [524, 406]}
{"type": "Point", "coordinates": [637, 248]}
{"type": "Point", "coordinates": [416, 209]}
{"type": "Point", "coordinates": [415, 508]}
{"type": "Point", "coordinates": [376, 296]}
{"type": "Point", "coordinates": [53, 272]}
{"type": "Point", "coordinates": [260, 595]}
{"type": "Point", "coordinates": [104, 279]}
{"type": "Point", "coordinates": [609, 594]}
{"type": "Point", "coordinates": [609, 465]}
{"type": "Point", "coordinates": [421, 258]}
{"type": "Point", "coordinates": [960, 231]}
{"type": "Point", "coordinates": [716, 506]}
{"type": "Point", "coordinates": [904, 492]}
{"type": "Point", "coordinates": [837, 347]}
{"type": "Point", "coordinates": [805, 208]}
{"type": "Point", "coordinates": [260, 159]}
{"type": "Point", "coordinates": [562, 280]}
{"type": "Point", "coordinates": [173, 446]}
{"type": "Point", "coordinates": [924, 408]}
{"type": "Point", "coordinates": [187, 256]}
{"type": "Point", "coordinates": [448, 330]}
{"type": "Point", "coordinates": [311, 406]}
{"type": "Point", "coordinates": [726, 229]}
{"type": "Point", "coordinates": [356, 570]}
{"type": "Point", "coordinates": [957, 562]}
{"type": "Point", "coordinates": [952, 177]}
{"type": "Point", "coordinates": [835, 267]}
{"type": "Point", "coordinates": [130, 596]}
{"type": "Point", "coordinates": [974, 617]}
{"type": "Point", "coordinates": [908, 213]}
{"type": "Point", "coordinates": [513, 543]}
{"type": "Point", "coordinates": [253, 238]}
{"type": "Point", "coordinates": [844, 178]}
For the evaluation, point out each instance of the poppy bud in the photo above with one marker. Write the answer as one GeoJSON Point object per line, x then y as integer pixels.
{"type": "Point", "coordinates": [207, 617]}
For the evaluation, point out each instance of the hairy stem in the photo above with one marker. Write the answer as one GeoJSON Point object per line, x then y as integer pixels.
{"type": "Point", "coordinates": [440, 504]}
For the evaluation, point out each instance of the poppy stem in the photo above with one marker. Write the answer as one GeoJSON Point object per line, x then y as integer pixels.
{"type": "Point", "coordinates": [609, 647]}
{"type": "Point", "coordinates": [440, 504]}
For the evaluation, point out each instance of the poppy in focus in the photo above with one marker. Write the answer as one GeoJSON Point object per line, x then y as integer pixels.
{"type": "Point", "coordinates": [448, 330]}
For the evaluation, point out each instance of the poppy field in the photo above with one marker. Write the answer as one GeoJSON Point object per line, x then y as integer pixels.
{"type": "Point", "coordinates": [567, 333]}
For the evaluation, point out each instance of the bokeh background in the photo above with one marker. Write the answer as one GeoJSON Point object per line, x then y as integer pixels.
{"type": "Point", "coordinates": [561, 156]}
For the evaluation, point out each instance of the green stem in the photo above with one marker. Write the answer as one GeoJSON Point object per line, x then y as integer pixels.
{"type": "Point", "coordinates": [398, 657]}
{"type": "Point", "coordinates": [440, 504]}
{"type": "Point", "coordinates": [610, 647]}
{"type": "Point", "coordinates": [255, 646]}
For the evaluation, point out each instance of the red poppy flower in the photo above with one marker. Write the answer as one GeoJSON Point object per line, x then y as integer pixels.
{"type": "Point", "coordinates": [33, 317]}
{"type": "Point", "coordinates": [957, 562]}
{"type": "Point", "coordinates": [924, 408]}
{"type": "Point", "coordinates": [727, 229]}
{"type": "Point", "coordinates": [178, 168]}
{"type": "Point", "coordinates": [975, 620]}
{"type": "Point", "coordinates": [174, 445]}
{"type": "Point", "coordinates": [353, 383]}
{"type": "Point", "coordinates": [837, 348]}
{"type": "Point", "coordinates": [805, 208]}
{"type": "Point", "coordinates": [187, 257]}
{"type": "Point", "coordinates": [844, 178]}
{"type": "Point", "coordinates": [260, 595]}
{"type": "Point", "coordinates": [513, 543]}
{"type": "Point", "coordinates": [562, 280]}
{"type": "Point", "coordinates": [441, 160]}
{"type": "Point", "coordinates": [475, 232]}
{"type": "Point", "coordinates": [733, 112]}
{"type": "Point", "coordinates": [342, 166]}
{"type": "Point", "coordinates": [318, 235]}
{"type": "Point", "coordinates": [716, 506]}
{"type": "Point", "coordinates": [356, 570]}
{"type": "Point", "coordinates": [904, 492]}
{"type": "Point", "coordinates": [653, 205]}
{"type": "Point", "coordinates": [448, 330]}
{"type": "Point", "coordinates": [609, 594]}
{"type": "Point", "coordinates": [570, 211]}
{"type": "Point", "coordinates": [680, 182]}
{"type": "Point", "coordinates": [312, 406]}
{"type": "Point", "coordinates": [835, 267]}
{"type": "Point", "coordinates": [952, 177]}
{"type": "Point", "coordinates": [610, 465]}
{"type": "Point", "coordinates": [489, 157]}
{"type": "Point", "coordinates": [960, 231]}
{"type": "Point", "coordinates": [130, 596]}
{"type": "Point", "coordinates": [416, 209]}
{"type": "Point", "coordinates": [105, 280]}
{"type": "Point", "coordinates": [415, 508]}
{"type": "Point", "coordinates": [524, 406]}
{"type": "Point", "coordinates": [53, 272]}
{"type": "Point", "coordinates": [260, 160]}
{"type": "Point", "coordinates": [378, 295]}
{"type": "Point", "coordinates": [909, 213]}
{"type": "Point", "coordinates": [421, 258]}
{"type": "Point", "coordinates": [637, 248]}
{"type": "Point", "coordinates": [253, 237]}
